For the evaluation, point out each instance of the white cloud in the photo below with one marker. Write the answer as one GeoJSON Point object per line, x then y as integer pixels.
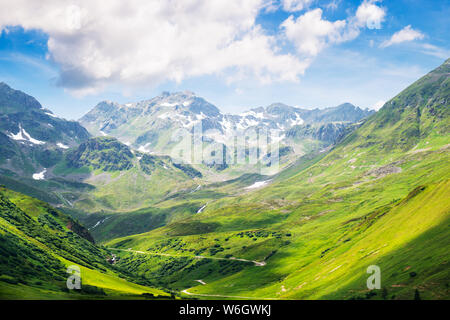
{"type": "Point", "coordinates": [408, 34]}
{"type": "Point", "coordinates": [333, 5]}
{"type": "Point", "coordinates": [310, 33]}
{"type": "Point", "coordinates": [148, 42]}
{"type": "Point", "coordinates": [271, 6]}
{"type": "Point", "coordinates": [370, 15]}
{"type": "Point", "coordinates": [435, 51]}
{"type": "Point", "coordinates": [296, 5]}
{"type": "Point", "coordinates": [404, 35]}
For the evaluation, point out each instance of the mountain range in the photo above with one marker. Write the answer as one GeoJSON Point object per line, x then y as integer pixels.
{"type": "Point", "coordinates": [355, 189]}
{"type": "Point", "coordinates": [152, 126]}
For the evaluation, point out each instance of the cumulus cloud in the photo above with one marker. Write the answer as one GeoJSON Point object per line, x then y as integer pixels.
{"type": "Point", "coordinates": [370, 15]}
{"type": "Point", "coordinates": [147, 42]}
{"type": "Point", "coordinates": [296, 5]}
{"type": "Point", "coordinates": [404, 35]}
{"type": "Point", "coordinates": [142, 41]}
{"type": "Point", "coordinates": [311, 33]}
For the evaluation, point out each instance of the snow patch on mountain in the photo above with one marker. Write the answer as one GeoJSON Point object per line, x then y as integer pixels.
{"type": "Point", "coordinates": [189, 122]}
{"type": "Point", "coordinates": [259, 115]}
{"type": "Point", "coordinates": [258, 184]}
{"type": "Point", "coordinates": [298, 120]}
{"type": "Point", "coordinates": [201, 116]}
{"type": "Point", "coordinates": [168, 104]}
{"type": "Point", "coordinates": [276, 137]}
{"type": "Point", "coordinates": [227, 126]}
{"type": "Point", "coordinates": [165, 115]}
{"type": "Point", "coordinates": [40, 175]}
{"type": "Point", "coordinates": [201, 209]}
{"type": "Point", "coordinates": [251, 122]}
{"type": "Point", "coordinates": [99, 222]}
{"type": "Point", "coordinates": [144, 148]}
{"type": "Point", "coordinates": [62, 146]}
{"type": "Point", "coordinates": [22, 135]}
{"type": "Point", "coordinates": [52, 115]}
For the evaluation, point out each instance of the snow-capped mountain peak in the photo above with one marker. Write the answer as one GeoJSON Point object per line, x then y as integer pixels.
{"type": "Point", "coordinates": [150, 123]}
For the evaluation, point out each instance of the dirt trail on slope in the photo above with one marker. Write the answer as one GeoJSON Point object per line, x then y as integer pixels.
{"type": "Point", "coordinates": [256, 263]}
{"type": "Point", "coordinates": [224, 296]}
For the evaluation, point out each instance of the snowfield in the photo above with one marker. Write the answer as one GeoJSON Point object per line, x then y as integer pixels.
{"type": "Point", "coordinates": [62, 146]}
{"type": "Point", "coordinates": [40, 175]}
{"type": "Point", "coordinates": [22, 135]}
{"type": "Point", "coordinates": [258, 184]}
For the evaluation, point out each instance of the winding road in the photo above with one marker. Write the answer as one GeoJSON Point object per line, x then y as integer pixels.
{"type": "Point", "coordinates": [256, 263]}
{"type": "Point", "coordinates": [224, 296]}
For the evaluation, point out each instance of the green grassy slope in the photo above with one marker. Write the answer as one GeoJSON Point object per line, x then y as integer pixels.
{"type": "Point", "coordinates": [102, 180]}
{"type": "Point", "coordinates": [123, 180]}
{"type": "Point", "coordinates": [379, 197]}
{"type": "Point", "coordinates": [38, 243]}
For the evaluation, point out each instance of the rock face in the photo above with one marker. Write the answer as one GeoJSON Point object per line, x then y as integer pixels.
{"type": "Point", "coordinates": [23, 116]}
{"type": "Point", "coordinates": [151, 125]}
{"type": "Point", "coordinates": [31, 136]}
{"type": "Point", "coordinates": [328, 132]}
{"type": "Point", "coordinates": [13, 101]}
{"type": "Point", "coordinates": [343, 113]}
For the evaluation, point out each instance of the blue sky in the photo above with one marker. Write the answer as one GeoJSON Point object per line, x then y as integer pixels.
{"type": "Point", "coordinates": [307, 53]}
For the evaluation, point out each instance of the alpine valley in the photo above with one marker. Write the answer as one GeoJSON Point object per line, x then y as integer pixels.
{"type": "Point", "coordinates": [354, 188]}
